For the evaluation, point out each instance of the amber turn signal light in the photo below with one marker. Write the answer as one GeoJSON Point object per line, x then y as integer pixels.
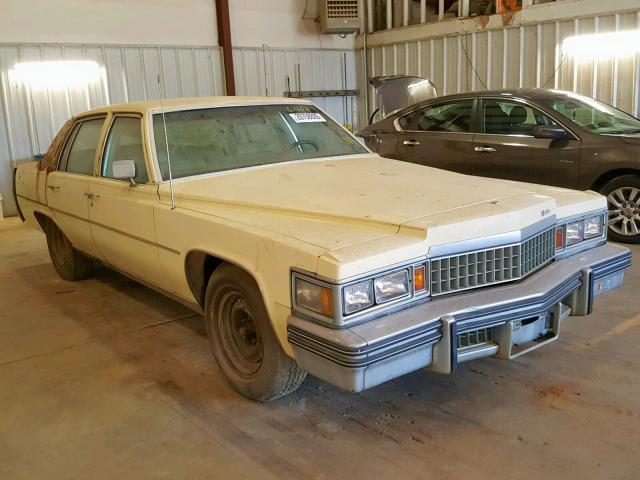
{"type": "Point", "coordinates": [559, 238]}
{"type": "Point", "coordinates": [419, 280]}
{"type": "Point", "coordinates": [326, 296]}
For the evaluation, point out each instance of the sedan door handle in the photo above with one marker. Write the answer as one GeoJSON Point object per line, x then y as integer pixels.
{"type": "Point", "coordinates": [485, 149]}
{"type": "Point", "coordinates": [411, 143]}
{"type": "Point", "coordinates": [53, 187]}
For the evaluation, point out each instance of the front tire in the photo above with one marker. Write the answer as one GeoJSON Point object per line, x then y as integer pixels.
{"type": "Point", "coordinates": [242, 339]}
{"type": "Point", "coordinates": [623, 198]}
{"type": "Point", "coordinates": [68, 262]}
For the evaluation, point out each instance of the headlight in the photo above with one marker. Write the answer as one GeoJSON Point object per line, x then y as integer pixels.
{"type": "Point", "coordinates": [345, 302]}
{"type": "Point", "coordinates": [574, 233]}
{"type": "Point", "coordinates": [391, 286]}
{"type": "Point", "coordinates": [314, 297]}
{"type": "Point", "coordinates": [357, 296]}
{"type": "Point", "coordinates": [593, 227]}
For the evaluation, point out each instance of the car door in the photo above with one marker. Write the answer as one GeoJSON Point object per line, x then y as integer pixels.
{"type": "Point", "coordinates": [67, 187]}
{"type": "Point", "coordinates": [121, 213]}
{"type": "Point", "coordinates": [506, 146]}
{"type": "Point", "coordinates": [439, 135]}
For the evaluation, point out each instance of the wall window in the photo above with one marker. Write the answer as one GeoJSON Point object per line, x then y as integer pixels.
{"type": "Point", "coordinates": [446, 117]}
{"type": "Point", "coordinates": [125, 143]}
{"type": "Point", "coordinates": [80, 154]}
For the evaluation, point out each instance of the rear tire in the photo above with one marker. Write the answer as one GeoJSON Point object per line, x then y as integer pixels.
{"type": "Point", "coordinates": [242, 339]}
{"type": "Point", "coordinates": [68, 262]}
{"type": "Point", "coordinates": [623, 198]}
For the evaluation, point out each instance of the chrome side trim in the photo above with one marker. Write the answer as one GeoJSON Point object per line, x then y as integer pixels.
{"type": "Point", "coordinates": [115, 230]}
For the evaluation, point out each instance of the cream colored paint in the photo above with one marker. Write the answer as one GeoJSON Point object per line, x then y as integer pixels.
{"type": "Point", "coordinates": [338, 217]}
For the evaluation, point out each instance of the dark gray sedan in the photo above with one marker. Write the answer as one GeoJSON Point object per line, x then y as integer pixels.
{"type": "Point", "coordinates": [533, 135]}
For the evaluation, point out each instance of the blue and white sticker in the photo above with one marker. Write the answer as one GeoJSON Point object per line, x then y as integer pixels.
{"type": "Point", "coordinates": [308, 117]}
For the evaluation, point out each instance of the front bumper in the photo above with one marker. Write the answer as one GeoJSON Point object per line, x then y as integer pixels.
{"type": "Point", "coordinates": [505, 321]}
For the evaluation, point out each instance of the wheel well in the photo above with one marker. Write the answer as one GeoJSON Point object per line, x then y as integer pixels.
{"type": "Point", "coordinates": [605, 177]}
{"type": "Point", "coordinates": [43, 220]}
{"type": "Point", "coordinates": [199, 266]}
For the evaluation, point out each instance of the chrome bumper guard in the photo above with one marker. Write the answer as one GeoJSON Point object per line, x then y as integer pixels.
{"type": "Point", "coordinates": [520, 317]}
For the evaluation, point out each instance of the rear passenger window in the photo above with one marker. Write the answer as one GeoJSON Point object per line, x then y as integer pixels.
{"type": "Point", "coordinates": [82, 152]}
{"type": "Point", "coordinates": [125, 143]}
{"type": "Point", "coordinates": [448, 117]}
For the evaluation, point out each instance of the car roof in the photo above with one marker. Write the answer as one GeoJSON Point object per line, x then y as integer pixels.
{"type": "Point", "coordinates": [527, 93]}
{"type": "Point", "coordinates": [192, 102]}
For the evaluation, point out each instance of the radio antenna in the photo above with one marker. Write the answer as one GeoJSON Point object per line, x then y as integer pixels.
{"type": "Point", "coordinates": [166, 142]}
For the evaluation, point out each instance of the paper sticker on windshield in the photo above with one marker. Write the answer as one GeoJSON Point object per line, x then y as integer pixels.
{"type": "Point", "coordinates": [307, 117]}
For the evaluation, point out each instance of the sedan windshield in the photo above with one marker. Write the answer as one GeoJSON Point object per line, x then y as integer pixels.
{"type": "Point", "coordinates": [592, 115]}
{"type": "Point", "coordinates": [226, 138]}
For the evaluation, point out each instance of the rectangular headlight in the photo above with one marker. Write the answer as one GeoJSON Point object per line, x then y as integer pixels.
{"type": "Point", "coordinates": [314, 297]}
{"type": "Point", "coordinates": [391, 286]}
{"type": "Point", "coordinates": [573, 233]}
{"type": "Point", "coordinates": [593, 227]}
{"type": "Point", "coordinates": [357, 296]}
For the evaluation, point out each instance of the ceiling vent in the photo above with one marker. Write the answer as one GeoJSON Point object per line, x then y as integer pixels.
{"type": "Point", "coordinates": [339, 16]}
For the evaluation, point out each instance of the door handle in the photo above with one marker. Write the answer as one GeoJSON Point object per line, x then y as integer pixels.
{"type": "Point", "coordinates": [411, 143]}
{"type": "Point", "coordinates": [53, 187]}
{"type": "Point", "coordinates": [485, 149]}
{"type": "Point", "coordinates": [91, 195]}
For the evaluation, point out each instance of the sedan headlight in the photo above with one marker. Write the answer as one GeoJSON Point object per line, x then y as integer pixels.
{"type": "Point", "coordinates": [573, 233]}
{"type": "Point", "coordinates": [593, 227]}
{"type": "Point", "coordinates": [314, 297]}
{"type": "Point", "coordinates": [391, 286]}
{"type": "Point", "coordinates": [345, 302]}
{"type": "Point", "coordinates": [358, 296]}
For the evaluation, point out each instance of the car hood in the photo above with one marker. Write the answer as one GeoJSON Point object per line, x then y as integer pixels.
{"type": "Point", "coordinates": [336, 202]}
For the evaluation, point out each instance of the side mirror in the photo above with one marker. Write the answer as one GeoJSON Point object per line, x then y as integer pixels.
{"type": "Point", "coordinates": [550, 133]}
{"type": "Point", "coordinates": [123, 170]}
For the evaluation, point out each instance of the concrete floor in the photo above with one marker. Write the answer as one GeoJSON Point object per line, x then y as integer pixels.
{"type": "Point", "coordinates": [107, 379]}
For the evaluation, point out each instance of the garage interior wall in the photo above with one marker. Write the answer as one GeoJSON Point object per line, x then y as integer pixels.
{"type": "Point", "coordinates": [135, 41]}
{"type": "Point", "coordinates": [524, 53]}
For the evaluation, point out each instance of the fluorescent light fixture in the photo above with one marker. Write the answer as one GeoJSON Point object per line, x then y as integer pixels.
{"type": "Point", "coordinates": [602, 45]}
{"type": "Point", "coordinates": [53, 75]}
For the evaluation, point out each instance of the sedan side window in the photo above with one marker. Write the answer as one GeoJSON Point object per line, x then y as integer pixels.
{"type": "Point", "coordinates": [81, 153]}
{"type": "Point", "coordinates": [447, 117]}
{"type": "Point", "coordinates": [512, 118]}
{"type": "Point", "coordinates": [125, 143]}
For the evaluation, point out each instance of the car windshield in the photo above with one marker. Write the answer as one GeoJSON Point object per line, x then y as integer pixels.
{"type": "Point", "coordinates": [594, 116]}
{"type": "Point", "coordinates": [226, 138]}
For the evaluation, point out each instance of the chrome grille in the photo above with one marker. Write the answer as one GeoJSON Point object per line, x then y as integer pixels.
{"type": "Point", "coordinates": [342, 8]}
{"type": "Point", "coordinates": [488, 267]}
{"type": "Point", "coordinates": [475, 337]}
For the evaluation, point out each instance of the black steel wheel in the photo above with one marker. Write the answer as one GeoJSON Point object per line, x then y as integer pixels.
{"type": "Point", "coordinates": [68, 262]}
{"type": "Point", "coordinates": [242, 338]}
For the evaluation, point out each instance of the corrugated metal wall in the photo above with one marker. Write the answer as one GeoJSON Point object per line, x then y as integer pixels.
{"type": "Point", "coordinates": [30, 119]}
{"type": "Point", "coordinates": [524, 56]}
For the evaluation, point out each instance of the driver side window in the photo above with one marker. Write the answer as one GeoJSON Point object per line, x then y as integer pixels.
{"type": "Point", "coordinates": [445, 117]}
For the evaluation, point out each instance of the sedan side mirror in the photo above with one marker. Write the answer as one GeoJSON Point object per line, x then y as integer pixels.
{"type": "Point", "coordinates": [124, 170]}
{"type": "Point", "coordinates": [550, 133]}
